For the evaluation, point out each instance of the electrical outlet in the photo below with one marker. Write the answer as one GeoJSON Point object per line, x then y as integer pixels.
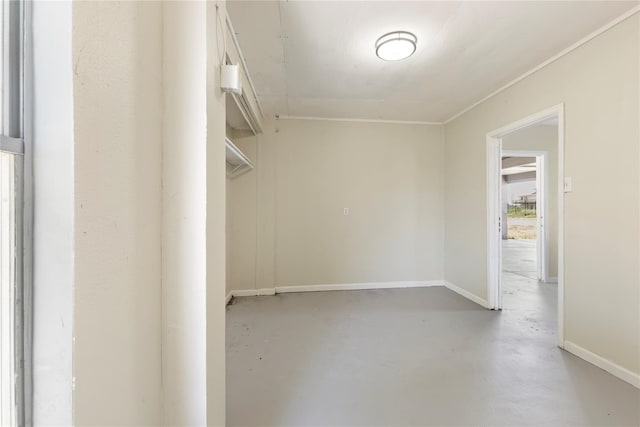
{"type": "Point", "coordinates": [346, 211]}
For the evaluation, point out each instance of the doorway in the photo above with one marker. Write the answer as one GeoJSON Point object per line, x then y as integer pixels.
{"type": "Point", "coordinates": [547, 197]}
{"type": "Point", "coordinates": [524, 189]}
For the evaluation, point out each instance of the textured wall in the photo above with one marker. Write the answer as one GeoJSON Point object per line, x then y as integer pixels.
{"type": "Point", "coordinates": [117, 53]}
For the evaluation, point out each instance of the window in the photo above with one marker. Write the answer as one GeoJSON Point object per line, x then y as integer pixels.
{"type": "Point", "coordinates": [13, 255]}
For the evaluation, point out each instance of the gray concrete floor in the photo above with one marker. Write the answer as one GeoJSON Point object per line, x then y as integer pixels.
{"type": "Point", "coordinates": [413, 357]}
{"type": "Point", "coordinates": [519, 258]}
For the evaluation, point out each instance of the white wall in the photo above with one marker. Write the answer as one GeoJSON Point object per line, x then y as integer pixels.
{"type": "Point", "coordinates": [598, 82]}
{"type": "Point", "coordinates": [543, 138]}
{"type": "Point", "coordinates": [242, 216]}
{"type": "Point", "coordinates": [101, 85]}
{"type": "Point", "coordinates": [215, 223]}
{"type": "Point", "coordinates": [184, 207]}
{"type": "Point", "coordinates": [54, 214]}
{"type": "Point", "coordinates": [227, 238]}
{"type": "Point", "coordinates": [117, 51]}
{"type": "Point", "coordinates": [390, 176]}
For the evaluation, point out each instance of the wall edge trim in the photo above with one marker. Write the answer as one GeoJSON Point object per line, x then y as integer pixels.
{"type": "Point", "coordinates": [340, 119]}
{"type": "Point", "coordinates": [468, 295]}
{"type": "Point", "coordinates": [551, 60]}
{"type": "Point", "coordinates": [252, 292]}
{"type": "Point", "coordinates": [334, 287]}
{"type": "Point", "coordinates": [357, 286]}
{"type": "Point", "coordinates": [605, 364]}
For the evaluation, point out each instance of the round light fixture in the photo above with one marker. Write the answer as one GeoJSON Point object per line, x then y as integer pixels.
{"type": "Point", "coordinates": [396, 45]}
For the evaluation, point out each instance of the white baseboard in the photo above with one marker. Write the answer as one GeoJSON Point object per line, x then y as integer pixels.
{"type": "Point", "coordinates": [357, 286]}
{"type": "Point", "coordinates": [602, 363]}
{"type": "Point", "coordinates": [227, 300]}
{"type": "Point", "coordinates": [468, 295]}
{"type": "Point", "coordinates": [245, 293]}
{"type": "Point", "coordinates": [552, 280]}
{"type": "Point", "coordinates": [253, 292]}
{"type": "Point", "coordinates": [332, 287]}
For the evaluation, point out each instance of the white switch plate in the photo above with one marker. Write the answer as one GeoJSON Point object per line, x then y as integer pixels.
{"type": "Point", "coordinates": [568, 184]}
{"type": "Point", "coordinates": [346, 211]}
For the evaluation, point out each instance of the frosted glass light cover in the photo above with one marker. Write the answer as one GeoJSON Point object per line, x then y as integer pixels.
{"type": "Point", "coordinates": [396, 46]}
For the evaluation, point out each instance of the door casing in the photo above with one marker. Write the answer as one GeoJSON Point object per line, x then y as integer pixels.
{"type": "Point", "coordinates": [494, 208]}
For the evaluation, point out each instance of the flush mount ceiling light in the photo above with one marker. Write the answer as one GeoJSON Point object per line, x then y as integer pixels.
{"type": "Point", "coordinates": [396, 45]}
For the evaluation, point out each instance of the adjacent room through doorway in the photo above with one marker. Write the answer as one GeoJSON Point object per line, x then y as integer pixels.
{"type": "Point", "coordinates": [520, 221]}
{"type": "Point", "coordinates": [529, 190]}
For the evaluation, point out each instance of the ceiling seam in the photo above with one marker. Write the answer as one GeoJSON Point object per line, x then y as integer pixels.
{"type": "Point", "coordinates": [284, 57]}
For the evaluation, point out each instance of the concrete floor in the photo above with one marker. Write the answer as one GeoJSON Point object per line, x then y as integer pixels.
{"type": "Point", "coordinates": [413, 357]}
{"type": "Point", "coordinates": [519, 258]}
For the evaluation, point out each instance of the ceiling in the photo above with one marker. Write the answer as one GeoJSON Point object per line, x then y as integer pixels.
{"type": "Point", "coordinates": [317, 58]}
{"type": "Point", "coordinates": [514, 170]}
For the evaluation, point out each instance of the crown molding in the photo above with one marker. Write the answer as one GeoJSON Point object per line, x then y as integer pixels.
{"type": "Point", "coordinates": [549, 61]}
{"type": "Point", "coordinates": [339, 119]}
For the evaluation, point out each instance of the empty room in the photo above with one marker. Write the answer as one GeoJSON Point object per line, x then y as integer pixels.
{"type": "Point", "coordinates": [320, 213]}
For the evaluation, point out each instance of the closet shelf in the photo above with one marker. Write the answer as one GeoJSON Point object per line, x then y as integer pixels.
{"type": "Point", "coordinates": [237, 162]}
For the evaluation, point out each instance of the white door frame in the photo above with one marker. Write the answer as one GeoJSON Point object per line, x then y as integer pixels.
{"type": "Point", "coordinates": [494, 209]}
{"type": "Point", "coordinates": [542, 209]}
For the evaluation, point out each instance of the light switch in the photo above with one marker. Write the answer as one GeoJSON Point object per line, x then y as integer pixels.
{"type": "Point", "coordinates": [346, 211]}
{"type": "Point", "coordinates": [568, 184]}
